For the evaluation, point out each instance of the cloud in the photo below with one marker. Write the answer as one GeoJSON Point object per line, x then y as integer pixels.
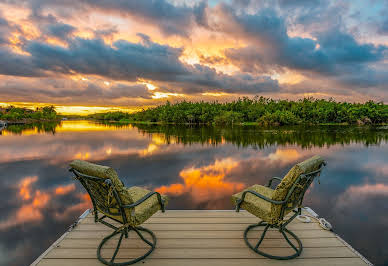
{"type": "Point", "coordinates": [126, 61]}
{"type": "Point", "coordinates": [4, 30]}
{"type": "Point", "coordinates": [123, 61]}
{"type": "Point", "coordinates": [332, 53]}
{"type": "Point", "coordinates": [59, 30]}
{"type": "Point", "coordinates": [383, 28]}
{"type": "Point", "coordinates": [14, 64]}
{"type": "Point", "coordinates": [272, 47]}
{"type": "Point", "coordinates": [62, 89]}
{"type": "Point", "coordinates": [170, 18]}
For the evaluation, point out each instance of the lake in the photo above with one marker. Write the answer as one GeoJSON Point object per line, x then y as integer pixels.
{"type": "Point", "coordinates": [199, 167]}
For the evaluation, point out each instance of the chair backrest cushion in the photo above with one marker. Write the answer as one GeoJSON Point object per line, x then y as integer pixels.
{"type": "Point", "coordinates": [104, 172]}
{"type": "Point", "coordinates": [304, 167]}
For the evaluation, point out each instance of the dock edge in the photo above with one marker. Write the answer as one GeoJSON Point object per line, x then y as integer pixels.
{"type": "Point", "coordinates": [55, 244]}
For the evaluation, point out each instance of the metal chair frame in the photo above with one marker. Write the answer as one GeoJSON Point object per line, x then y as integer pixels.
{"type": "Point", "coordinates": [117, 210]}
{"type": "Point", "coordinates": [299, 187]}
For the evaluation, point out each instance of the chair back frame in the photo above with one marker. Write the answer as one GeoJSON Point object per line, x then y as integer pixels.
{"type": "Point", "coordinates": [298, 189]}
{"type": "Point", "coordinates": [105, 185]}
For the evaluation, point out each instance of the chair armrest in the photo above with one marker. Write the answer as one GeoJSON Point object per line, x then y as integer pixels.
{"type": "Point", "coordinates": [161, 202]}
{"type": "Point", "coordinates": [272, 179]}
{"type": "Point", "coordinates": [240, 201]}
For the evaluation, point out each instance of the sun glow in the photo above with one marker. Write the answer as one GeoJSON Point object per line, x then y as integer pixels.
{"type": "Point", "coordinates": [75, 110]}
{"type": "Point", "coordinates": [160, 95]}
{"type": "Point", "coordinates": [215, 94]}
{"type": "Point", "coordinates": [289, 78]}
{"type": "Point", "coordinates": [150, 86]}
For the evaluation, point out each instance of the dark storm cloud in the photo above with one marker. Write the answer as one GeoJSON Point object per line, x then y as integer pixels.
{"type": "Point", "coordinates": [48, 88]}
{"type": "Point", "coordinates": [127, 61]}
{"type": "Point", "coordinates": [171, 19]}
{"type": "Point", "coordinates": [4, 30]}
{"type": "Point", "coordinates": [203, 78]}
{"type": "Point", "coordinates": [333, 53]}
{"type": "Point", "coordinates": [59, 30]}
{"type": "Point", "coordinates": [383, 27]}
{"type": "Point", "coordinates": [105, 32]}
{"type": "Point", "coordinates": [123, 61]}
{"type": "Point", "coordinates": [17, 65]}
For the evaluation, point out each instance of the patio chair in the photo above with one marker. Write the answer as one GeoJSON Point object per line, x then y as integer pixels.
{"type": "Point", "coordinates": [273, 205]}
{"type": "Point", "coordinates": [130, 207]}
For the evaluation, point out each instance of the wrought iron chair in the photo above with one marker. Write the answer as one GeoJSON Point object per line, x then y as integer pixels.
{"type": "Point", "coordinates": [130, 207]}
{"type": "Point", "coordinates": [272, 205]}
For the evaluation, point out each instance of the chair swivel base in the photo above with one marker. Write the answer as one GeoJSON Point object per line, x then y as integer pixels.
{"type": "Point", "coordinates": [123, 233]}
{"type": "Point", "coordinates": [283, 231]}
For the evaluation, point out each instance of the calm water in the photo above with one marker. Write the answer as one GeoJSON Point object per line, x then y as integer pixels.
{"type": "Point", "coordinates": [199, 167]}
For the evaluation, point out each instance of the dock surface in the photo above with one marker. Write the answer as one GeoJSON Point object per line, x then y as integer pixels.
{"type": "Point", "coordinates": [191, 237]}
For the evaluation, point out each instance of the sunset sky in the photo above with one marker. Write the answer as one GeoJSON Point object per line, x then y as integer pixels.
{"type": "Point", "coordinates": [135, 54]}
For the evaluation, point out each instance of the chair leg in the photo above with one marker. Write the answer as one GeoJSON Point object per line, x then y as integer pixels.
{"type": "Point", "coordinates": [124, 232]}
{"type": "Point", "coordinates": [95, 214]}
{"type": "Point", "coordinates": [298, 249]}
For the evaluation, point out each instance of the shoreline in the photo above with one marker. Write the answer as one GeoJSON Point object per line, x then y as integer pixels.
{"type": "Point", "coordinates": [236, 124]}
{"type": "Point", "coordinates": [28, 121]}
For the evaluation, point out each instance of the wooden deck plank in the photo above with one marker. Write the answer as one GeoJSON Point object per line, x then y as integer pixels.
{"type": "Point", "coordinates": [196, 220]}
{"type": "Point", "coordinates": [201, 234]}
{"type": "Point", "coordinates": [202, 214]}
{"type": "Point", "coordinates": [214, 262]}
{"type": "Point", "coordinates": [215, 253]}
{"type": "Point", "coordinates": [198, 227]}
{"type": "Point", "coordinates": [199, 243]}
{"type": "Point", "coordinates": [201, 237]}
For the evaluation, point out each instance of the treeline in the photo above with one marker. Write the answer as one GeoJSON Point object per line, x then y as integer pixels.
{"type": "Point", "coordinates": [12, 113]}
{"type": "Point", "coordinates": [262, 111]}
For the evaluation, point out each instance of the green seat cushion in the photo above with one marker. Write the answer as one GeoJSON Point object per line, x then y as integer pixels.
{"type": "Point", "coordinates": [255, 205]}
{"type": "Point", "coordinates": [145, 210]}
{"type": "Point", "coordinates": [307, 166]}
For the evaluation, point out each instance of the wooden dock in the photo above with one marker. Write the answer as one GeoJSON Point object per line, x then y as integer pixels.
{"type": "Point", "coordinates": [192, 238]}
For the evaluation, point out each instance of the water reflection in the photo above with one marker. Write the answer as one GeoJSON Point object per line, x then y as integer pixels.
{"type": "Point", "coordinates": [199, 167]}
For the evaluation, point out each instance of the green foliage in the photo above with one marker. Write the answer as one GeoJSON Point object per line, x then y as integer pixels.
{"type": "Point", "coordinates": [11, 113]}
{"type": "Point", "coordinates": [228, 118]}
{"type": "Point", "coordinates": [261, 110]}
{"type": "Point", "coordinates": [279, 118]}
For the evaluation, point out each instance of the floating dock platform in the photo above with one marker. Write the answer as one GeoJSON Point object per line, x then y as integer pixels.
{"type": "Point", "coordinates": [200, 237]}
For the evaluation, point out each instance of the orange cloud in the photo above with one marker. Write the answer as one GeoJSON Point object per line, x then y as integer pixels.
{"type": "Point", "coordinates": [372, 190]}
{"type": "Point", "coordinates": [32, 211]}
{"type": "Point", "coordinates": [34, 202]}
{"type": "Point", "coordinates": [78, 208]}
{"type": "Point", "coordinates": [364, 194]}
{"type": "Point", "coordinates": [24, 187]}
{"type": "Point", "coordinates": [204, 183]}
{"type": "Point", "coordinates": [285, 155]}
{"type": "Point", "coordinates": [62, 190]}
{"type": "Point", "coordinates": [173, 189]}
